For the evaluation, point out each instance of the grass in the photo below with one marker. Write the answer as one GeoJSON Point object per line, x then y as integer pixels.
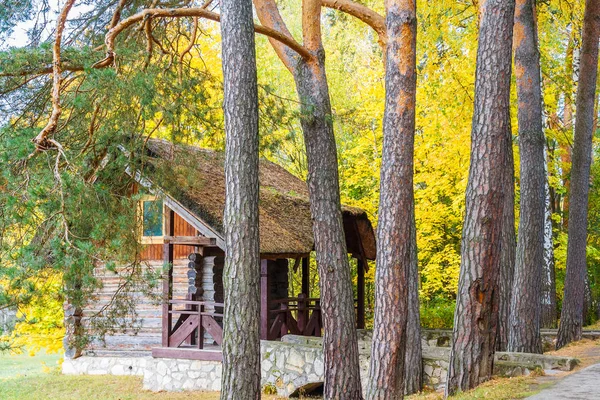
{"type": "Point", "coordinates": [106, 387]}
{"type": "Point", "coordinates": [495, 389]}
{"type": "Point", "coordinates": [24, 377]}
{"type": "Point", "coordinates": [54, 386]}
{"type": "Point", "coordinates": [23, 365]}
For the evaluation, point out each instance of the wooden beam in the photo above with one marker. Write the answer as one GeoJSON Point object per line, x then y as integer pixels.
{"type": "Point", "coordinates": [192, 219]}
{"type": "Point", "coordinates": [191, 240]}
{"type": "Point", "coordinates": [187, 354]}
{"type": "Point", "coordinates": [265, 290]}
{"type": "Point", "coordinates": [184, 331]}
{"type": "Point", "coordinates": [279, 256]}
{"type": "Point", "coordinates": [167, 281]}
{"type": "Point", "coordinates": [306, 276]}
{"type": "Point", "coordinates": [360, 290]}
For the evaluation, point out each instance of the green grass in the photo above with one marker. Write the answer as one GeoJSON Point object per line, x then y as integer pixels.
{"type": "Point", "coordinates": [105, 387]}
{"type": "Point", "coordinates": [54, 387]}
{"type": "Point", "coordinates": [22, 365]}
{"type": "Point", "coordinates": [22, 377]}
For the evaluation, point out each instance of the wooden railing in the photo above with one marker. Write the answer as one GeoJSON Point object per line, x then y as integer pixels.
{"type": "Point", "coordinates": [196, 318]}
{"type": "Point", "coordinates": [295, 315]}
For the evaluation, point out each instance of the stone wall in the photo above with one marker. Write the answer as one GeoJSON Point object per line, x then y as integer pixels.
{"type": "Point", "coordinates": [292, 366]}
{"type": "Point", "coordinates": [443, 337]}
{"type": "Point", "coordinates": [100, 365]}
{"type": "Point", "coordinates": [177, 375]}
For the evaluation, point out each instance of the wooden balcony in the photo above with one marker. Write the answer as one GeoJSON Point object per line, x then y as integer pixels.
{"type": "Point", "coordinates": [186, 337]}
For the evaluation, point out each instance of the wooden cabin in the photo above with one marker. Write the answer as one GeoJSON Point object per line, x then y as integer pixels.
{"type": "Point", "coordinates": [182, 225]}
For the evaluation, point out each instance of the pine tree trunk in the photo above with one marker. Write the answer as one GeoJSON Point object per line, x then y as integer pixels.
{"type": "Point", "coordinates": [548, 312]}
{"type": "Point", "coordinates": [476, 315]}
{"type": "Point", "coordinates": [507, 254]}
{"type": "Point", "coordinates": [395, 231]}
{"type": "Point", "coordinates": [587, 302]}
{"type": "Point", "coordinates": [340, 346]}
{"type": "Point", "coordinates": [564, 146]}
{"type": "Point", "coordinates": [413, 360]}
{"type": "Point", "coordinates": [524, 327]}
{"type": "Point", "coordinates": [571, 319]}
{"type": "Point", "coordinates": [241, 340]}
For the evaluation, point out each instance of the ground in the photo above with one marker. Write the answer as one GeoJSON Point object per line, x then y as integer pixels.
{"type": "Point", "coordinates": [587, 351]}
{"type": "Point", "coordinates": [25, 377]}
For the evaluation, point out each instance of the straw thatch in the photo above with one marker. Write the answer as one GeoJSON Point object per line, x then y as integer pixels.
{"type": "Point", "coordinates": [196, 178]}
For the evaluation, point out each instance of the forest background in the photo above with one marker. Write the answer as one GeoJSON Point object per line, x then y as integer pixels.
{"type": "Point", "coordinates": [446, 52]}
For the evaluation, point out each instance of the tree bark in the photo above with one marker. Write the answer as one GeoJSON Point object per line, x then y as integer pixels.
{"type": "Point", "coordinates": [340, 346]}
{"type": "Point", "coordinates": [524, 334]}
{"type": "Point", "coordinates": [507, 254]}
{"type": "Point", "coordinates": [548, 313]}
{"type": "Point", "coordinates": [241, 340]}
{"type": "Point", "coordinates": [565, 147]}
{"type": "Point", "coordinates": [413, 360]}
{"type": "Point", "coordinates": [476, 316]}
{"type": "Point", "coordinates": [588, 309]}
{"type": "Point", "coordinates": [571, 316]}
{"type": "Point", "coordinates": [395, 230]}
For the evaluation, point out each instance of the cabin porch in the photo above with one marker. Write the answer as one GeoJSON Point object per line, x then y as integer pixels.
{"type": "Point", "coordinates": [192, 324]}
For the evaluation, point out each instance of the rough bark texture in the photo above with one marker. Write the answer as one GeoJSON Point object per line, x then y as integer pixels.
{"type": "Point", "coordinates": [508, 250]}
{"type": "Point", "coordinates": [524, 329]}
{"type": "Point", "coordinates": [476, 316]}
{"type": "Point", "coordinates": [571, 318]}
{"type": "Point", "coordinates": [413, 360]}
{"type": "Point", "coordinates": [548, 314]}
{"type": "Point", "coordinates": [395, 229]}
{"type": "Point", "coordinates": [241, 343]}
{"type": "Point", "coordinates": [340, 346]}
{"type": "Point", "coordinates": [565, 146]}
{"type": "Point", "coordinates": [587, 302]}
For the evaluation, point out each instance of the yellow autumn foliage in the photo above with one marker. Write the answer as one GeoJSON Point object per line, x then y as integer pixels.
{"type": "Point", "coordinates": [40, 322]}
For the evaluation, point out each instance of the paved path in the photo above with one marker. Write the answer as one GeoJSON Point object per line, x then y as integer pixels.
{"type": "Point", "coordinates": [584, 384]}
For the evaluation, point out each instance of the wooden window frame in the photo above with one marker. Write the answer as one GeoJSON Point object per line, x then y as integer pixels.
{"type": "Point", "coordinates": [150, 239]}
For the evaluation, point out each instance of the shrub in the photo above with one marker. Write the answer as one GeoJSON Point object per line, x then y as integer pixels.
{"type": "Point", "coordinates": [437, 314]}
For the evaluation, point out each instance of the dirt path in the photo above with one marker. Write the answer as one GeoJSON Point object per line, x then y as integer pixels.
{"type": "Point", "coordinates": [581, 383]}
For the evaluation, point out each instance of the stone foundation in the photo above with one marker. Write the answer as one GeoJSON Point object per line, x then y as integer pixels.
{"type": "Point", "coordinates": [443, 337]}
{"type": "Point", "coordinates": [291, 366]}
{"type": "Point", "coordinates": [178, 375]}
{"type": "Point", "coordinates": [94, 365]}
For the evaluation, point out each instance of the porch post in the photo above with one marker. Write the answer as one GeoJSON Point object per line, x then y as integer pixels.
{"type": "Point", "coordinates": [305, 276]}
{"type": "Point", "coordinates": [167, 281]}
{"type": "Point", "coordinates": [360, 289]}
{"type": "Point", "coordinates": [265, 291]}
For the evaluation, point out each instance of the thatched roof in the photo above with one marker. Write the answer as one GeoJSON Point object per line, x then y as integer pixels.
{"type": "Point", "coordinates": [195, 177]}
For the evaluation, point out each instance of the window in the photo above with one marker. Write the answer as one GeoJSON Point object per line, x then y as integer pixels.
{"type": "Point", "coordinates": [152, 223]}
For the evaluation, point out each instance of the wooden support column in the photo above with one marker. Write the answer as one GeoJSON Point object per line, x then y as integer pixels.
{"type": "Point", "coordinates": [360, 290]}
{"type": "Point", "coordinates": [265, 298]}
{"type": "Point", "coordinates": [306, 276]}
{"type": "Point", "coordinates": [168, 279]}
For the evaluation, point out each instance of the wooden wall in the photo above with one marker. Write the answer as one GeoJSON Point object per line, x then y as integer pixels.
{"type": "Point", "coordinates": [153, 252]}
{"type": "Point", "coordinates": [148, 308]}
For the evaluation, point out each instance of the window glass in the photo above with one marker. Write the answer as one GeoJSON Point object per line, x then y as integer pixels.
{"type": "Point", "coordinates": [153, 218]}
